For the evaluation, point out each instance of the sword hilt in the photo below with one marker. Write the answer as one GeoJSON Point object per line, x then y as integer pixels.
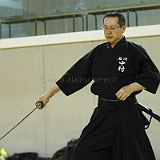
{"type": "Point", "coordinates": [39, 105]}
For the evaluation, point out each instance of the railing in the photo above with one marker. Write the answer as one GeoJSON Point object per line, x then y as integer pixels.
{"type": "Point", "coordinates": [43, 19]}
{"type": "Point", "coordinates": [125, 9]}
{"type": "Point", "coordinates": [84, 16]}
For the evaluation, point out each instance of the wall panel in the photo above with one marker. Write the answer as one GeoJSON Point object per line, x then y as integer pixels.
{"type": "Point", "coordinates": [28, 72]}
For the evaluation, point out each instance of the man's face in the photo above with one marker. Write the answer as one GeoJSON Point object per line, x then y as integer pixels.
{"type": "Point", "coordinates": [112, 31]}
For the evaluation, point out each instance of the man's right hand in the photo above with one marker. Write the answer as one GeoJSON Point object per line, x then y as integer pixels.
{"type": "Point", "coordinates": [44, 99]}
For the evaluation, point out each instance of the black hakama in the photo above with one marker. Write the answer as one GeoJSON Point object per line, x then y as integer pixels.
{"type": "Point", "coordinates": [116, 129]}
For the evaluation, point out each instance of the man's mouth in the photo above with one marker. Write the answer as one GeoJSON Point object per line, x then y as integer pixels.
{"type": "Point", "coordinates": [110, 37]}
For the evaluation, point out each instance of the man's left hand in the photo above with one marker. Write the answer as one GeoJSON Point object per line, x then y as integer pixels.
{"type": "Point", "coordinates": [124, 93]}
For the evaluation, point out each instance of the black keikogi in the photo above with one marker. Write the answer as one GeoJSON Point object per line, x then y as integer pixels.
{"type": "Point", "coordinates": [116, 129]}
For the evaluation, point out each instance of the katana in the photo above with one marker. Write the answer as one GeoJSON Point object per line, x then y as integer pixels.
{"type": "Point", "coordinates": [39, 105]}
{"type": "Point", "coordinates": [148, 111]}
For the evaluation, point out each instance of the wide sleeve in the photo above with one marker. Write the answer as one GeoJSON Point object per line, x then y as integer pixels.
{"type": "Point", "coordinates": [147, 73]}
{"type": "Point", "coordinates": [78, 76]}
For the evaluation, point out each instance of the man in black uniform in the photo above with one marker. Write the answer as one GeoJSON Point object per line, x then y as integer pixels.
{"type": "Point", "coordinates": [120, 70]}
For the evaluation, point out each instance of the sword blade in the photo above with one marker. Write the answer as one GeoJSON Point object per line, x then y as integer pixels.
{"type": "Point", "coordinates": [17, 124]}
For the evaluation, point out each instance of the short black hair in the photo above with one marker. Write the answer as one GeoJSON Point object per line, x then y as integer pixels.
{"type": "Point", "coordinates": [120, 17]}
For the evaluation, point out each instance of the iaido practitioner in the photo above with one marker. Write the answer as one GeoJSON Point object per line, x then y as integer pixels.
{"type": "Point", "coordinates": [120, 70]}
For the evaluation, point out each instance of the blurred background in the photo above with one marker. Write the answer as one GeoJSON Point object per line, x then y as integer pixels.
{"type": "Point", "coordinates": [20, 18]}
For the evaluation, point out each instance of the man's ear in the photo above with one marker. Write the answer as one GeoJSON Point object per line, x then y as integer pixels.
{"type": "Point", "coordinates": [123, 28]}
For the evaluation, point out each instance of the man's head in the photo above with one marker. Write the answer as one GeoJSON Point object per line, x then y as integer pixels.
{"type": "Point", "coordinates": [114, 27]}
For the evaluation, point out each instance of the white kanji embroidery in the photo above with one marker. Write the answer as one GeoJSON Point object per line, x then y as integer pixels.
{"type": "Point", "coordinates": [125, 59]}
{"type": "Point", "coordinates": [122, 61]}
{"type": "Point", "coordinates": [120, 58]}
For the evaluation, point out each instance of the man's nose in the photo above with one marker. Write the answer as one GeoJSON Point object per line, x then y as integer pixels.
{"type": "Point", "coordinates": [108, 31]}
